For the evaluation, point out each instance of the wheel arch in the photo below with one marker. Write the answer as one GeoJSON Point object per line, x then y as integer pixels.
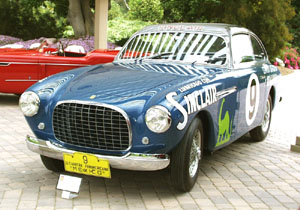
{"type": "Point", "coordinates": [272, 93]}
{"type": "Point", "coordinates": [208, 129]}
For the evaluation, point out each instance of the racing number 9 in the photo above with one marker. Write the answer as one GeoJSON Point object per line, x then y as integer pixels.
{"type": "Point", "coordinates": [85, 159]}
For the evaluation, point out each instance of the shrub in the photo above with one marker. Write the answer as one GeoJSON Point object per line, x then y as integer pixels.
{"type": "Point", "coordinates": [4, 40]}
{"type": "Point", "coordinates": [115, 11]}
{"type": "Point", "coordinates": [266, 18]}
{"type": "Point", "coordinates": [291, 58]}
{"type": "Point", "coordinates": [146, 10]}
{"type": "Point", "coordinates": [86, 42]}
{"type": "Point", "coordinates": [120, 29]}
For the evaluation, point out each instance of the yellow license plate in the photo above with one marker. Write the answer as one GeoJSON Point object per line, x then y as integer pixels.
{"type": "Point", "coordinates": [86, 164]}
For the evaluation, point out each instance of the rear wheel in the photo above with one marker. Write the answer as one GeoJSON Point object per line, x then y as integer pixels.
{"type": "Point", "coordinates": [260, 132]}
{"type": "Point", "coordinates": [186, 158]}
{"type": "Point", "coordinates": [53, 164]}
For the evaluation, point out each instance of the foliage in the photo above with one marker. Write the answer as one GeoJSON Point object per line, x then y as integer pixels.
{"type": "Point", "coordinates": [120, 29]}
{"type": "Point", "coordinates": [86, 42]}
{"type": "Point", "coordinates": [122, 4]}
{"type": "Point", "coordinates": [266, 18]}
{"type": "Point", "coordinates": [294, 23]}
{"type": "Point", "coordinates": [146, 10]}
{"type": "Point", "coordinates": [187, 10]}
{"type": "Point", "coordinates": [290, 57]}
{"type": "Point", "coordinates": [30, 19]}
{"type": "Point", "coordinates": [4, 40]}
{"type": "Point", "coordinates": [68, 32]}
{"type": "Point", "coordinates": [115, 11]}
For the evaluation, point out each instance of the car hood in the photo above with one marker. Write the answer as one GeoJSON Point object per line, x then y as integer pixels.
{"type": "Point", "coordinates": [126, 84]}
{"type": "Point", "coordinates": [113, 83]}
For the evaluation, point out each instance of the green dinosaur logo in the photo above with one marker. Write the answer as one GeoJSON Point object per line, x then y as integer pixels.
{"type": "Point", "coordinates": [225, 127]}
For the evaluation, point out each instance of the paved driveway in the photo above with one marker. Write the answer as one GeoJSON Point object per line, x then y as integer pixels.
{"type": "Point", "coordinates": [244, 175]}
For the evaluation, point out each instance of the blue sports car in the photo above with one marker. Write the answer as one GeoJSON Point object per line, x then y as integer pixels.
{"type": "Point", "coordinates": [173, 91]}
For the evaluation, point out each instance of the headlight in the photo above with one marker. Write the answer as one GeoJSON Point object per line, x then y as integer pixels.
{"type": "Point", "coordinates": [158, 119]}
{"type": "Point", "coordinates": [29, 103]}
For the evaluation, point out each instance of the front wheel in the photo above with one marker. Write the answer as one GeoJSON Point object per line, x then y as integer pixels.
{"type": "Point", "coordinates": [260, 132]}
{"type": "Point", "coordinates": [186, 157]}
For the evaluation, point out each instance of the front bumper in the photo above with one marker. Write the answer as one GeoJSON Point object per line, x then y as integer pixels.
{"type": "Point", "coordinates": [131, 161]}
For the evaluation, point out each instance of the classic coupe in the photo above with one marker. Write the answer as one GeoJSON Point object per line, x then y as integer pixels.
{"type": "Point", "coordinates": [173, 91]}
{"type": "Point", "coordinates": [21, 68]}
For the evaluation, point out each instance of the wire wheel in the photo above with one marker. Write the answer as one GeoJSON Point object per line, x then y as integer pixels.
{"type": "Point", "coordinates": [195, 154]}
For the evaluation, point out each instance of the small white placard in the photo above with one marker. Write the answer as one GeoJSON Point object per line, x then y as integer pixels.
{"type": "Point", "coordinates": [69, 183]}
{"type": "Point", "coordinates": [66, 195]}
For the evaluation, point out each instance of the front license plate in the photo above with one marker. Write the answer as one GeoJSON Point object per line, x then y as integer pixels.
{"type": "Point", "coordinates": [87, 164]}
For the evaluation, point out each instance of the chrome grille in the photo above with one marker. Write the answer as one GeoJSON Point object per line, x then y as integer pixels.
{"type": "Point", "coordinates": [91, 125]}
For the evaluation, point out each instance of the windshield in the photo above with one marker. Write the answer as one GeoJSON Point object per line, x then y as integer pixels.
{"type": "Point", "coordinates": [178, 46]}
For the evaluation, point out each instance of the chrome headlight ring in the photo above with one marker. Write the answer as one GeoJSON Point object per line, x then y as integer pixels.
{"type": "Point", "coordinates": [29, 103]}
{"type": "Point", "coordinates": [158, 119]}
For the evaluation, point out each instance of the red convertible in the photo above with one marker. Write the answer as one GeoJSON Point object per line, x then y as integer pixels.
{"type": "Point", "coordinates": [21, 68]}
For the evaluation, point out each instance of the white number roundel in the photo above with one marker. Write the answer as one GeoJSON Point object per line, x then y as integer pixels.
{"type": "Point", "coordinates": [252, 99]}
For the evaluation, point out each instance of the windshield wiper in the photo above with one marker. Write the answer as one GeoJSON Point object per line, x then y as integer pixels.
{"type": "Point", "coordinates": [155, 56]}
{"type": "Point", "coordinates": [216, 59]}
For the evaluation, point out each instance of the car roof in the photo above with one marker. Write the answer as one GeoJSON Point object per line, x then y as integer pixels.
{"type": "Point", "coordinates": [215, 28]}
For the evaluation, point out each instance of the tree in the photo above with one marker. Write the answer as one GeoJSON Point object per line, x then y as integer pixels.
{"type": "Point", "coordinates": [294, 25]}
{"type": "Point", "coordinates": [266, 18]}
{"type": "Point", "coordinates": [81, 17]}
{"type": "Point", "coordinates": [29, 19]}
{"type": "Point", "coordinates": [146, 10]}
{"type": "Point", "coordinates": [188, 10]}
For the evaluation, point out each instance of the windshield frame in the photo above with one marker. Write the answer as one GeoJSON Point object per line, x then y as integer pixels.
{"type": "Point", "coordinates": [139, 59]}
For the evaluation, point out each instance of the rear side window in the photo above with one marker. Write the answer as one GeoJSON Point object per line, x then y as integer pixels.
{"type": "Point", "coordinates": [242, 50]}
{"type": "Point", "coordinates": [259, 53]}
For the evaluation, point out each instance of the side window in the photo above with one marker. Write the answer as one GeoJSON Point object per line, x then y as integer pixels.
{"type": "Point", "coordinates": [242, 50]}
{"type": "Point", "coordinates": [259, 53]}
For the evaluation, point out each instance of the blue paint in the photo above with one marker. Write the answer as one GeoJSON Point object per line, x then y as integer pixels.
{"type": "Point", "coordinates": [134, 87]}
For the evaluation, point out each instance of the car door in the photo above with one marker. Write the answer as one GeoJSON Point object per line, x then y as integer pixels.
{"type": "Point", "coordinates": [53, 64]}
{"type": "Point", "coordinates": [18, 72]}
{"type": "Point", "coordinates": [248, 62]}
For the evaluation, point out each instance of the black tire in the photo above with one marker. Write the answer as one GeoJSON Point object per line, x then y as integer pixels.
{"type": "Point", "coordinates": [260, 132]}
{"type": "Point", "coordinates": [53, 164]}
{"type": "Point", "coordinates": [186, 158]}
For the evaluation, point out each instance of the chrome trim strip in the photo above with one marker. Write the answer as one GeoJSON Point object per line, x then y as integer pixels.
{"type": "Point", "coordinates": [4, 64]}
{"type": "Point", "coordinates": [223, 93]}
{"type": "Point", "coordinates": [21, 80]}
{"type": "Point", "coordinates": [50, 64]}
{"type": "Point", "coordinates": [106, 106]}
{"type": "Point", "coordinates": [64, 64]}
{"type": "Point", "coordinates": [130, 161]}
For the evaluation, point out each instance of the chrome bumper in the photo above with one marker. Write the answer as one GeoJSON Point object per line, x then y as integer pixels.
{"type": "Point", "coordinates": [131, 161]}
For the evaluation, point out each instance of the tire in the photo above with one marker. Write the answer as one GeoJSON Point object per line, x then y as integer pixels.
{"type": "Point", "coordinates": [260, 132]}
{"type": "Point", "coordinates": [53, 164]}
{"type": "Point", "coordinates": [186, 158]}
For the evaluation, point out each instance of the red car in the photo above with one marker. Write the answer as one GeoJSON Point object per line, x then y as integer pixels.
{"type": "Point", "coordinates": [21, 68]}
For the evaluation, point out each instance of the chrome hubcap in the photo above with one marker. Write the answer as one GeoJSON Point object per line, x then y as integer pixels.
{"type": "Point", "coordinates": [267, 115]}
{"type": "Point", "coordinates": [195, 154]}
